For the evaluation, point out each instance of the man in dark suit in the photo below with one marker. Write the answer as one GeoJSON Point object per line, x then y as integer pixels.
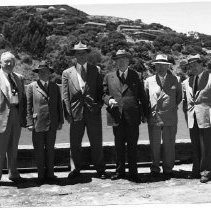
{"type": "Point", "coordinates": [197, 104]}
{"type": "Point", "coordinates": [82, 95]}
{"type": "Point", "coordinates": [44, 118]}
{"type": "Point", "coordinates": [127, 102]}
{"type": "Point", "coordinates": [12, 114]}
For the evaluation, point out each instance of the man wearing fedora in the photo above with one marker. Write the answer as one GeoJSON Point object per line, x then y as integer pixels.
{"type": "Point", "coordinates": [124, 95]}
{"type": "Point", "coordinates": [197, 100]}
{"type": "Point", "coordinates": [44, 118]}
{"type": "Point", "coordinates": [165, 94]}
{"type": "Point", "coordinates": [82, 95]}
{"type": "Point", "coordinates": [12, 114]}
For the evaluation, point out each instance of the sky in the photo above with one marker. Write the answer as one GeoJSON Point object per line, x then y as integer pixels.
{"type": "Point", "coordinates": [182, 16]}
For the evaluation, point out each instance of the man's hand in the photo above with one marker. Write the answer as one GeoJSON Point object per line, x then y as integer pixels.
{"type": "Point", "coordinates": [112, 102]}
{"type": "Point", "coordinates": [30, 128]}
{"type": "Point", "coordinates": [59, 126]}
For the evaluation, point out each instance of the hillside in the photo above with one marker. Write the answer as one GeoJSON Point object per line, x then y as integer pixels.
{"type": "Point", "coordinates": [49, 32]}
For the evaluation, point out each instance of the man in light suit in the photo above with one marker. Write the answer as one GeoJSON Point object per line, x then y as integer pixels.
{"type": "Point", "coordinates": [44, 118]}
{"type": "Point", "coordinates": [82, 95]}
{"type": "Point", "coordinates": [12, 114]}
{"type": "Point", "coordinates": [125, 98]}
{"type": "Point", "coordinates": [197, 103]}
{"type": "Point", "coordinates": [165, 93]}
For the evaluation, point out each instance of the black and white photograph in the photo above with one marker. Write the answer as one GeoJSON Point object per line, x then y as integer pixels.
{"type": "Point", "coordinates": [105, 103]}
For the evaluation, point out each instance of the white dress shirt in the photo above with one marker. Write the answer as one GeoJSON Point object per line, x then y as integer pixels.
{"type": "Point", "coordinates": [125, 73]}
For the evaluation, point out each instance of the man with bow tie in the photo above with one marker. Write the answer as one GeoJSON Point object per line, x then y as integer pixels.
{"type": "Point", "coordinates": [44, 118]}
{"type": "Point", "coordinates": [125, 98]}
{"type": "Point", "coordinates": [12, 114]}
{"type": "Point", "coordinates": [82, 95]}
{"type": "Point", "coordinates": [165, 94]}
{"type": "Point", "coordinates": [197, 104]}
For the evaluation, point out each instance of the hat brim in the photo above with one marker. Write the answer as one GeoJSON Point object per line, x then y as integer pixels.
{"type": "Point", "coordinates": [80, 50]}
{"type": "Point", "coordinates": [116, 57]}
{"type": "Point", "coordinates": [38, 69]}
{"type": "Point", "coordinates": [167, 63]}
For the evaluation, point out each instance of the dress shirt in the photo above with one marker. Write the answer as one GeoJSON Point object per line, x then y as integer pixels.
{"type": "Point", "coordinates": [125, 73]}
{"type": "Point", "coordinates": [162, 79]}
{"type": "Point", "coordinates": [80, 80]}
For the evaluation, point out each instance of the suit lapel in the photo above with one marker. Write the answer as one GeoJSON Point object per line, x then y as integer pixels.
{"type": "Point", "coordinates": [18, 84]}
{"type": "Point", "coordinates": [116, 81]}
{"type": "Point", "coordinates": [3, 85]}
{"type": "Point", "coordinates": [39, 89]}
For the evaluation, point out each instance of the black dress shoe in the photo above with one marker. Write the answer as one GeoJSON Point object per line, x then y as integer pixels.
{"type": "Point", "coordinates": [17, 179]}
{"type": "Point", "coordinates": [51, 179]}
{"type": "Point", "coordinates": [73, 174]}
{"type": "Point", "coordinates": [168, 175]}
{"type": "Point", "coordinates": [102, 175]}
{"type": "Point", "coordinates": [134, 178]}
{"type": "Point", "coordinates": [154, 174]}
{"type": "Point", "coordinates": [118, 176]}
{"type": "Point", "coordinates": [204, 179]}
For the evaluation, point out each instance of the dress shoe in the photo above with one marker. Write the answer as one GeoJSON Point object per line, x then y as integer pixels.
{"type": "Point", "coordinates": [16, 179]}
{"type": "Point", "coordinates": [50, 179]}
{"type": "Point", "coordinates": [134, 178]}
{"type": "Point", "coordinates": [155, 174]}
{"type": "Point", "coordinates": [204, 179]}
{"type": "Point", "coordinates": [73, 174]}
{"type": "Point", "coordinates": [102, 175]}
{"type": "Point", "coordinates": [118, 176]}
{"type": "Point", "coordinates": [168, 175]}
{"type": "Point", "coordinates": [40, 181]}
{"type": "Point", "coordinates": [194, 176]}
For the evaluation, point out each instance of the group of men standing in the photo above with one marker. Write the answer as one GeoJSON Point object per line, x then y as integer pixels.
{"type": "Point", "coordinates": [129, 101]}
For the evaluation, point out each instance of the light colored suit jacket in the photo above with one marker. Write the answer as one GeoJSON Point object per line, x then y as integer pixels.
{"type": "Point", "coordinates": [164, 99]}
{"type": "Point", "coordinates": [200, 104]}
{"type": "Point", "coordinates": [74, 100]}
{"type": "Point", "coordinates": [5, 101]}
{"type": "Point", "coordinates": [44, 111]}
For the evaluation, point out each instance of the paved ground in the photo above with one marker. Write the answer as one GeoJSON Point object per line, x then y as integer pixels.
{"type": "Point", "coordinates": [89, 190]}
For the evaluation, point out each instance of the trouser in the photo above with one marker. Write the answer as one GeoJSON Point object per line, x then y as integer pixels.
{"type": "Point", "coordinates": [168, 134]}
{"type": "Point", "coordinates": [126, 133]}
{"type": "Point", "coordinates": [93, 123]}
{"type": "Point", "coordinates": [201, 144]}
{"type": "Point", "coordinates": [9, 143]}
{"type": "Point", "coordinates": [43, 143]}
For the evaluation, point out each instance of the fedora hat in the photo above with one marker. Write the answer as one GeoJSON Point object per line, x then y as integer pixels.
{"type": "Point", "coordinates": [80, 47]}
{"type": "Point", "coordinates": [193, 58]}
{"type": "Point", "coordinates": [162, 59]}
{"type": "Point", "coordinates": [121, 54]}
{"type": "Point", "coordinates": [43, 65]}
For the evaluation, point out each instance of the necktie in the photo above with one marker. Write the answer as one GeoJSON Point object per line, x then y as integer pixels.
{"type": "Point", "coordinates": [83, 73]}
{"type": "Point", "coordinates": [12, 83]}
{"type": "Point", "coordinates": [195, 84]}
{"type": "Point", "coordinates": [123, 78]}
{"type": "Point", "coordinates": [46, 87]}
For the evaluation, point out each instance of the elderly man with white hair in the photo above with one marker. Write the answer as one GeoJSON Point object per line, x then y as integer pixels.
{"type": "Point", "coordinates": [12, 114]}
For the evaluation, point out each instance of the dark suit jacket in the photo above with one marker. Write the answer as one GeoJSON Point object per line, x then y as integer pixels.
{"type": "Point", "coordinates": [44, 111]}
{"type": "Point", "coordinates": [75, 101]}
{"type": "Point", "coordinates": [131, 98]}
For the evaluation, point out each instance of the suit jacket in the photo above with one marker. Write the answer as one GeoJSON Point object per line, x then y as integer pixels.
{"type": "Point", "coordinates": [164, 99]}
{"type": "Point", "coordinates": [44, 111]}
{"type": "Point", "coordinates": [131, 98]}
{"type": "Point", "coordinates": [200, 103]}
{"type": "Point", "coordinates": [5, 101]}
{"type": "Point", "coordinates": [74, 100]}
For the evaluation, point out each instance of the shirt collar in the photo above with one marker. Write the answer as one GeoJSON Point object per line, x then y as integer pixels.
{"type": "Point", "coordinates": [78, 67]}
{"type": "Point", "coordinates": [43, 82]}
{"type": "Point", "coordinates": [125, 73]}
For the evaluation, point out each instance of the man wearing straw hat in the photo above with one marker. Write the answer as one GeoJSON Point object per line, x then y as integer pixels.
{"type": "Point", "coordinates": [12, 114]}
{"type": "Point", "coordinates": [197, 99]}
{"type": "Point", "coordinates": [82, 95]}
{"type": "Point", "coordinates": [165, 93]}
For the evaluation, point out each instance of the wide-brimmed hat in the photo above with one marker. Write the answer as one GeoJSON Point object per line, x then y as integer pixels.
{"type": "Point", "coordinates": [80, 47]}
{"type": "Point", "coordinates": [162, 59]}
{"type": "Point", "coordinates": [121, 54]}
{"type": "Point", "coordinates": [43, 65]}
{"type": "Point", "coordinates": [193, 58]}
